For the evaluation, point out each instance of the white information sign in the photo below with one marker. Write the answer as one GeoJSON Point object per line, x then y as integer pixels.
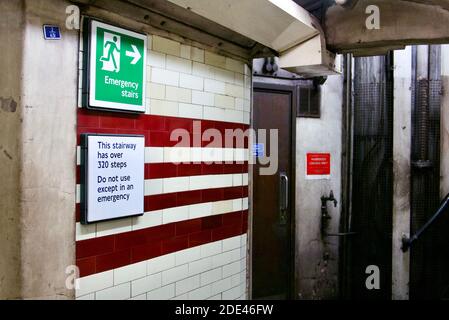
{"type": "Point", "coordinates": [114, 169]}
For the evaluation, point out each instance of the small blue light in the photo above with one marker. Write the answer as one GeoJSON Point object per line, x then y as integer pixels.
{"type": "Point", "coordinates": [259, 150]}
{"type": "Point", "coordinates": [52, 32]}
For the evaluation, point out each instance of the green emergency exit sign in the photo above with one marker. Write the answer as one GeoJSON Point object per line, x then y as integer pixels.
{"type": "Point", "coordinates": [117, 68]}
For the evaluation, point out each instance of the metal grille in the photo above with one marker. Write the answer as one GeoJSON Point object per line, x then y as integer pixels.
{"type": "Point", "coordinates": [372, 175]}
{"type": "Point", "coordinates": [430, 255]}
{"type": "Point", "coordinates": [309, 99]}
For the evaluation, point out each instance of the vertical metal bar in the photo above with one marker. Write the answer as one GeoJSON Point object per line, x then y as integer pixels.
{"type": "Point", "coordinates": [347, 151]}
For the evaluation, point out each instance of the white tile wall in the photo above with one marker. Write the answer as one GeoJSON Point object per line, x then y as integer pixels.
{"type": "Point", "coordinates": [114, 227]}
{"type": "Point", "coordinates": [164, 107]}
{"type": "Point", "coordinates": [189, 82]}
{"type": "Point", "coordinates": [179, 64]}
{"type": "Point", "coordinates": [161, 263]}
{"type": "Point", "coordinates": [186, 285]}
{"type": "Point", "coordinates": [129, 273]}
{"type": "Point", "coordinates": [166, 77]}
{"type": "Point", "coordinates": [203, 98]}
{"type": "Point", "coordinates": [192, 155]}
{"type": "Point", "coordinates": [182, 184]}
{"type": "Point", "coordinates": [146, 284]}
{"type": "Point", "coordinates": [120, 292]}
{"type": "Point", "coordinates": [168, 46]}
{"type": "Point", "coordinates": [214, 86]}
{"type": "Point", "coordinates": [178, 94]}
{"type": "Point", "coordinates": [164, 293]}
{"type": "Point", "coordinates": [190, 111]}
{"type": "Point", "coordinates": [161, 217]}
{"type": "Point", "coordinates": [94, 283]}
{"type": "Point", "coordinates": [188, 274]}
{"type": "Point", "coordinates": [212, 80]}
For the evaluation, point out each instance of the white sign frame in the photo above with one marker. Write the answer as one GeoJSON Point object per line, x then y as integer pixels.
{"type": "Point", "coordinates": [93, 103]}
{"type": "Point", "coordinates": [91, 212]}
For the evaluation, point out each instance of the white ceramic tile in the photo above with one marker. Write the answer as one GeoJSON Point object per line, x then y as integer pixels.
{"type": "Point", "coordinates": [188, 255]}
{"type": "Point", "coordinates": [177, 214]}
{"type": "Point", "coordinates": [177, 155]}
{"type": "Point", "coordinates": [211, 276]}
{"type": "Point", "coordinates": [186, 285]}
{"type": "Point", "coordinates": [154, 155]}
{"type": "Point", "coordinates": [212, 113]}
{"type": "Point", "coordinates": [121, 292]}
{"type": "Point", "coordinates": [202, 293]}
{"type": "Point", "coordinates": [232, 294]}
{"type": "Point", "coordinates": [179, 64]}
{"type": "Point", "coordinates": [211, 249]}
{"type": "Point", "coordinates": [202, 70]}
{"type": "Point", "coordinates": [156, 59]}
{"type": "Point", "coordinates": [226, 102]}
{"type": "Point", "coordinates": [130, 273]}
{"type": "Point", "coordinates": [175, 274]}
{"type": "Point", "coordinates": [154, 187]}
{"type": "Point", "coordinates": [160, 263]}
{"type": "Point", "coordinates": [237, 180]}
{"type": "Point", "coordinates": [234, 65]}
{"type": "Point", "coordinates": [214, 59]}
{"type": "Point", "coordinates": [234, 91]}
{"type": "Point", "coordinates": [113, 227]}
{"type": "Point", "coordinates": [89, 297]}
{"type": "Point", "coordinates": [164, 293]}
{"type": "Point", "coordinates": [214, 86]}
{"type": "Point", "coordinates": [190, 111]}
{"type": "Point", "coordinates": [146, 284]}
{"type": "Point", "coordinates": [95, 282]}
{"type": "Point", "coordinates": [223, 75]}
{"type": "Point", "coordinates": [222, 207]}
{"type": "Point", "coordinates": [164, 108]}
{"type": "Point", "coordinates": [165, 45]}
{"type": "Point", "coordinates": [148, 220]}
{"type": "Point", "coordinates": [221, 286]}
{"type": "Point", "coordinates": [155, 91]}
{"type": "Point", "coordinates": [172, 185]}
{"type": "Point", "coordinates": [200, 266]}
{"type": "Point", "coordinates": [231, 269]}
{"type": "Point", "coordinates": [203, 98]}
{"type": "Point", "coordinates": [191, 82]}
{"type": "Point", "coordinates": [197, 54]}
{"type": "Point", "coordinates": [200, 210]}
{"type": "Point", "coordinates": [186, 52]}
{"type": "Point", "coordinates": [231, 243]}
{"type": "Point", "coordinates": [178, 94]}
{"type": "Point", "coordinates": [85, 232]}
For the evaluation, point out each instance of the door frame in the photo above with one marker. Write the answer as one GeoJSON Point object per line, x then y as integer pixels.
{"type": "Point", "coordinates": [267, 86]}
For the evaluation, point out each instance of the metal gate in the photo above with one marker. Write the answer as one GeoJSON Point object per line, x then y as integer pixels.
{"type": "Point", "coordinates": [372, 176]}
{"type": "Point", "coordinates": [429, 276]}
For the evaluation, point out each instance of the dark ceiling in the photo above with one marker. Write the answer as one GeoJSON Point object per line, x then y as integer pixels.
{"type": "Point", "coordinates": [316, 7]}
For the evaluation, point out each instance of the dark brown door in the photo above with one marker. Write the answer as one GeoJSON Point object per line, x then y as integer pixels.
{"type": "Point", "coordinates": [272, 276]}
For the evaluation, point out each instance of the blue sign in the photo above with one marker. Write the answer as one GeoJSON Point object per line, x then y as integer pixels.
{"type": "Point", "coordinates": [52, 32]}
{"type": "Point", "coordinates": [259, 150]}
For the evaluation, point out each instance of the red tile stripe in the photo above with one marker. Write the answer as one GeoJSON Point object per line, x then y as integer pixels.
{"type": "Point", "coordinates": [115, 251]}
{"type": "Point", "coordinates": [156, 129]}
{"type": "Point", "coordinates": [112, 252]}
{"type": "Point", "coordinates": [170, 170]}
{"type": "Point", "coordinates": [179, 199]}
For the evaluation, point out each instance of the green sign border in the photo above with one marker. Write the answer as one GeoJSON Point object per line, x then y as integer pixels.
{"type": "Point", "coordinates": [89, 81]}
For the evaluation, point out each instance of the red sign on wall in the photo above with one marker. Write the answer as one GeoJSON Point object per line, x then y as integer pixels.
{"type": "Point", "coordinates": [318, 165]}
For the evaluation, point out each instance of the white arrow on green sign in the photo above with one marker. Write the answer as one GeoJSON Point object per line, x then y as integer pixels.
{"type": "Point", "coordinates": [117, 68]}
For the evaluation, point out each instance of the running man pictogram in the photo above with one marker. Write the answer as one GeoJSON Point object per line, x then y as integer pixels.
{"type": "Point", "coordinates": [111, 53]}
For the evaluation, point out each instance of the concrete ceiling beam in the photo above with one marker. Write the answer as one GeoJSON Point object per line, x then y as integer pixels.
{"type": "Point", "coordinates": [402, 23]}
